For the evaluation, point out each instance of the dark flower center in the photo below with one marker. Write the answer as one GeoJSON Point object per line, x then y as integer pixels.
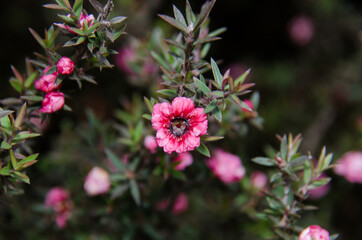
{"type": "Point", "coordinates": [179, 126]}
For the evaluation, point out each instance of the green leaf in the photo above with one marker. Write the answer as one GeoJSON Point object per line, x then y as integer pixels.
{"type": "Point", "coordinates": [20, 116]}
{"type": "Point", "coordinates": [32, 98]}
{"type": "Point", "coordinates": [179, 17]}
{"type": "Point", "coordinates": [202, 86]}
{"type": "Point", "coordinates": [148, 104]}
{"type": "Point", "coordinates": [173, 22]}
{"type": "Point", "coordinates": [318, 183]}
{"type": "Point", "coordinates": [4, 113]}
{"type": "Point", "coordinates": [205, 11]}
{"type": "Point", "coordinates": [30, 80]}
{"type": "Point", "coordinates": [160, 60]}
{"type": "Point", "coordinates": [211, 106]}
{"type": "Point", "coordinates": [117, 20]}
{"type": "Point", "coordinates": [5, 121]}
{"type": "Point", "coordinates": [55, 6]}
{"type": "Point", "coordinates": [17, 74]}
{"type": "Point", "coordinates": [211, 138]}
{"type": "Point", "coordinates": [15, 83]}
{"type": "Point", "coordinates": [14, 162]}
{"type": "Point", "coordinates": [217, 32]}
{"type": "Point", "coordinates": [135, 192]}
{"type": "Point", "coordinates": [138, 132]}
{"type": "Point", "coordinates": [217, 114]}
{"type": "Point", "coordinates": [307, 172]}
{"type": "Point", "coordinates": [119, 190]}
{"type": "Point", "coordinates": [168, 93]}
{"type": "Point", "coordinates": [21, 176]}
{"type": "Point", "coordinates": [203, 150]}
{"type": "Point", "coordinates": [284, 148]}
{"type": "Point", "coordinates": [24, 135]}
{"type": "Point", "coordinates": [147, 116]}
{"type": "Point", "coordinates": [263, 161]}
{"type": "Point", "coordinates": [77, 7]}
{"type": "Point", "coordinates": [242, 78]}
{"type": "Point", "coordinates": [28, 161]}
{"type": "Point", "coordinates": [5, 145]}
{"type": "Point", "coordinates": [5, 171]}
{"type": "Point", "coordinates": [206, 40]}
{"type": "Point", "coordinates": [38, 38]}
{"type": "Point", "coordinates": [216, 72]}
{"type": "Point", "coordinates": [190, 16]}
{"type": "Point", "coordinates": [115, 160]}
{"type": "Point", "coordinates": [178, 174]}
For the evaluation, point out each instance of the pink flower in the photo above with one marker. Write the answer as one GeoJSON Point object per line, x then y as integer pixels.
{"type": "Point", "coordinates": [314, 232]}
{"type": "Point", "coordinates": [226, 166]}
{"type": "Point", "coordinates": [321, 191]}
{"type": "Point", "coordinates": [58, 199]}
{"type": "Point", "coordinates": [179, 125]}
{"type": "Point", "coordinates": [124, 57]}
{"type": "Point", "coordinates": [184, 159]}
{"type": "Point", "coordinates": [56, 196]}
{"type": "Point", "coordinates": [150, 143]}
{"type": "Point", "coordinates": [258, 180]}
{"type": "Point", "coordinates": [65, 66]}
{"type": "Point", "coordinates": [181, 204]}
{"type": "Point", "coordinates": [97, 182]}
{"type": "Point", "coordinates": [301, 30]}
{"type": "Point", "coordinates": [47, 83]}
{"type": "Point", "coordinates": [52, 102]}
{"type": "Point", "coordinates": [163, 204]}
{"type": "Point", "coordinates": [350, 166]}
{"type": "Point", "coordinates": [89, 19]}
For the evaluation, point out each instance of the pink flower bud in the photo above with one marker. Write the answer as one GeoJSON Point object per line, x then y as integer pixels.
{"type": "Point", "coordinates": [184, 159]}
{"type": "Point", "coordinates": [124, 57]}
{"type": "Point", "coordinates": [97, 182]}
{"type": "Point", "coordinates": [150, 143]}
{"type": "Point", "coordinates": [47, 83]}
{"type": "Point", "coordinates": [52, 102]}
{"type": "Point", "coordinates": [314, 232]}
{"type": "Point", "coordinates": [226, 166]}
{"type": "Point", "coordinates": [86, 18]}
{"type": "Point", "coordinates": [65, 66]}
{"type": "Point", "coordinates": [350, 166]}
{"type": "Point", "coordinates": [258, 180]}
{"type": "Point", "coordinates": [181, 204]}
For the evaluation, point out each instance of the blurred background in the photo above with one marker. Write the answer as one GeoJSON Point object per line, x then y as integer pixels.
{"type": "Point", "coordinates": [305, 58]}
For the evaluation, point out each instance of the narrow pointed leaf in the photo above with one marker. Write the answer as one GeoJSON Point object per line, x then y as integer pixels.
{"type": "Point", "coordinates": [203, 150]}
{"type": "Point", "coordinates": [216, 72]}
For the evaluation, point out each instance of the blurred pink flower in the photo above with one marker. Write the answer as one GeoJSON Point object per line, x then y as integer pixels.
{"type": "Point", "coordinates": [319, 192]}
{"type": "Point", "coordinates": [125, 56]}
{"type": "Point", "coordinates": [65, 66]}
{"type": "Point", "coordinates": [47, 83]}
{"type": "Point", "coordinates": [150, 143]}
{"type": "Point", "coordinates": [184, 159]}
{"type": "Point", "coordinates": [97, 182]}
{"type": "Point", "coordinates": [314, 232]}
{"type": "Point", "coordinates": [258, 180]}
{"type": "Point", "coordinates": [301, 30]}
{"type": "Point", "coordinates": [179, 125]}
{"type": "Point", "coordinates": [226, 166]}
{"type": "Point", "coordinates": [181, 204]}
{"type": "Point", "coordinates": [163, 204]}
{"type": "Point", "coordinates": [350, 166]}
{"type": "Point", "coordinates": [59, 200]}
{"type": "Point", "coordinates": [52, 102]}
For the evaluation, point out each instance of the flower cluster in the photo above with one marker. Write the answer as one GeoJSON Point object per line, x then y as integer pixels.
{"type": "Point", "coordinates": [53, 100]}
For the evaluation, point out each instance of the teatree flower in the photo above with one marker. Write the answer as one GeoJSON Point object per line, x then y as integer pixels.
{"type": "Point", "coordinates": [350, 166]}
{"type": "Point", "coordinates": [47, 83]}
{"type": "Point", "coordinates": [97, 182]}
{"type": "Point", "coordinates": [59, 200]}
{"type": "Point", "coordinates": [184, 159]}
{"type": "Point", "coordinates": [52, 102]}
{"type": "Point", "coordinates": [65, 66]}
{"type": "Point", "coordinates": [226, 166]}
{"type": "Point", "coordinates": [314, 232]}
{"type": "Point", "coordinates": [179, 125]}
{"type": "Point", "coordinates": [150, 143]}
